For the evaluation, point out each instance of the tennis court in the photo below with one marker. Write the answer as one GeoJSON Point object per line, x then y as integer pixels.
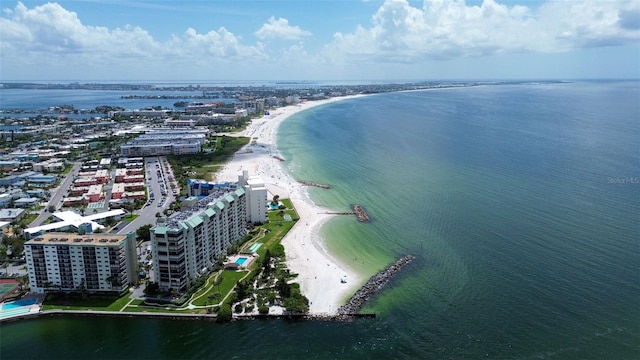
{"type": "Point", "coordinates": [7, 287]}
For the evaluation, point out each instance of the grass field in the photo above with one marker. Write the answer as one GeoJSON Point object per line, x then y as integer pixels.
{"type": "Point", "coordinates": [95, 303]}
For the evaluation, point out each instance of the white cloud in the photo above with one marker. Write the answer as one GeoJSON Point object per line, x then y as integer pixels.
{"type": "Point", "coordinates": [280, 29]}
{"type": "Point", "coordinates": [446, 29]}
{"type": "Point", "coordinates": [50, 36]}
{"type": "Point", "coordinates": [53, 31]}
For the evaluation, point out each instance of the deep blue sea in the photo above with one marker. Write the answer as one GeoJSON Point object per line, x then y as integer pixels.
{"type": "Point", "coordinates": [520, 202]}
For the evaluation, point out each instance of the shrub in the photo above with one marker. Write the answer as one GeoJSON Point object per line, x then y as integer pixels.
{"type": "Point", "coordinates": [238, 308]}
{"type": "Point", "coordinates": [224, 314]}
{"type": "Point", "coordinates": [263, 310]}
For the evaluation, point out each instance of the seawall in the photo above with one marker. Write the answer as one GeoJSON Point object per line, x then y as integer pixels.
{"type": "Point", "coordinates": [184, 316]}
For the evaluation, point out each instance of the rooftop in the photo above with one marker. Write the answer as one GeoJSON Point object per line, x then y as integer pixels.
{"type": "Point", "coordinates": [77, 240]}
{"type": "Point", "coordinates": [213, 199]}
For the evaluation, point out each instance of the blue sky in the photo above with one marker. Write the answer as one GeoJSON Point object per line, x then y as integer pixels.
{"type": "Point", "coordinates": [319, 40]}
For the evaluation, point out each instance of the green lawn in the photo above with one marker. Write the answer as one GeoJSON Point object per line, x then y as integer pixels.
{"type": "Point", "coordinates": [95, 303]}
{"type": "Point", "coordinates": [130, 217]}
{"type": "Point", "coordinates": [229, 280]}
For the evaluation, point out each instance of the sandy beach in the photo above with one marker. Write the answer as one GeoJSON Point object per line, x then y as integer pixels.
{"type": "Point", "coordinates": [319, 273]}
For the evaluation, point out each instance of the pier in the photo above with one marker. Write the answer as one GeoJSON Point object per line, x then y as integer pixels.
{"type": "Point", "coordinates": [372, 286]}
{"type": "Point", "coordinates": [309, 183]}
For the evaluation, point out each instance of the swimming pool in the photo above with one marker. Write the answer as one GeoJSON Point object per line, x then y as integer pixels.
{"type": "Point", "coordinates": [18, 303]}
{"type": "Point", "coordinates": [255, 247]}
{"type": "Point", "coordinates": [241, 260]}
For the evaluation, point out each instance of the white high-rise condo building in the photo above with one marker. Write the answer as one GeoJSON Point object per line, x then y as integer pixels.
{"type": "Point", "coordinates": [257, 207]}
{"type": "Point", "coordinates": [188, 244]}
{"type": "Point", "coordinates": [93, 263]}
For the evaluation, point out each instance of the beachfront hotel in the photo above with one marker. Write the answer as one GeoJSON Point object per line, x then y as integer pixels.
{"type": "Point", "coordinates": [95, 263]}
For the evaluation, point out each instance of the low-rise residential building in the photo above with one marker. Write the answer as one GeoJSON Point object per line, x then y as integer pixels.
{"type": "Point", "coordinates": [85, 181]}
{"type": "Point", "coordinates": [39, 193]}
{"type": "Point", "coordinates": [105, 163]}
{"type": "Point", "coordinates": [10, 180]}
{"type": "Point", "coordinates": [41, 180]}
{"type": "Point", "coordinates": [8, 165]}
{"type": "Point", "coordinates": [50, 165]}
{"type": "Point", "coordinates": [102, 176]}
{"type": "Point", "coordinates": [94, 194]}
{"type": "Point", "coordinates": [75, 200]}
{"type": "Point", "coordinates": [5, 200]}
{"type": "Point", "coordinates": [26, 202]}
{"type": "Point", "coordinates": [11, 215]}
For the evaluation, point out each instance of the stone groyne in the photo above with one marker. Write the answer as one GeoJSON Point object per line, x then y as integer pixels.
{"type": "Point", "coordinates": [372, 286]}
{"type": "Point", "coordinates": [309, 183]}
{"type": "Point", "coordinates": [361, 214]}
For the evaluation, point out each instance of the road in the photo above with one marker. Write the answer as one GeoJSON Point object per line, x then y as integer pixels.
{"type": "Point", "coordinates": [57, 195]}
{"type": "Point", "coordinates": [157, 175]}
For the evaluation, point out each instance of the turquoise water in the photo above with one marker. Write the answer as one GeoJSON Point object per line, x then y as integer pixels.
{"type": "Point", "coordinates": [521, 204]}
{"type": "Point", "coordinates": [241, 260]}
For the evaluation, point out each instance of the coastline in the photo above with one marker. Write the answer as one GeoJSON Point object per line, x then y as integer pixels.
{"type": "Point", "coordinates": [319, 273]}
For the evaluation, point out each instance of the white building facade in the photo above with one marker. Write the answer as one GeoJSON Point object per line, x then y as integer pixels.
{"type": "Point", "coordinates": [257, 207]}
{"type": "Point", "coordinates": [95, 263]}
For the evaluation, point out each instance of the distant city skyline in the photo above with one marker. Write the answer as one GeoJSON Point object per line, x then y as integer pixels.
{"type": "Point", "coordinates": [319, 40]}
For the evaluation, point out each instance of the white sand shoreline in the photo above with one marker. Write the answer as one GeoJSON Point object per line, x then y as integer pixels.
{"type": "Point", "coordinates": [319, 273]}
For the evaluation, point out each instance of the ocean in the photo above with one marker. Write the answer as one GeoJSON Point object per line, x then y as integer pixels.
{"type": "Point", "coordinates": [520, 202]}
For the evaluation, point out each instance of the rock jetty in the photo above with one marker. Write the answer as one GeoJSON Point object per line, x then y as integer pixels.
{"type": "Point", "coordinates": [309, 183]}
{"type": "Point", "coordinates": [361, 214]}
{"type": "Point", "coordinates": [372, 286]}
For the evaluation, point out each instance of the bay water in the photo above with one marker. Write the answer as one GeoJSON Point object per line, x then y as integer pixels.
{"type": "Point", "coordinates": [520, 202]}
